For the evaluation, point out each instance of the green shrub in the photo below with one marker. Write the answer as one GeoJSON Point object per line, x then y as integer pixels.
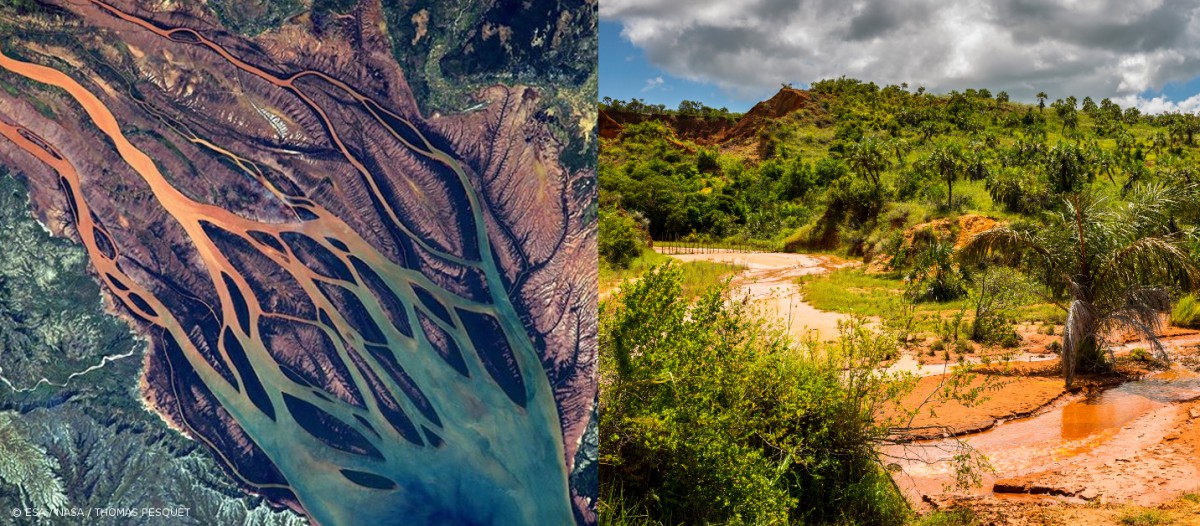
{"type": "Point", "coordinates": [937, 345]}
{"type": "Point", "coordinates": [708, 161]}
{"type": "Point", "coordinates": [1145, 518]}
{"type": "Point", "coordinates": [958, 517]}
{"type": "Point", "coordinates": [995, 295]}
{"type": "Point", "coordinates": [621, 238]}
{"type": "Point", "coordinates": [853, 198]}
{"type": "Point", "coordinates": [1018, 190]}
{"type": "Point", "coordinates": [1186, 312]}
{"type": "Point", "coordinates": [708, 416]}
{"type": "Point", "coordinates": [935, 276]}
{"type": "Point", "coordinates": [963, 347]}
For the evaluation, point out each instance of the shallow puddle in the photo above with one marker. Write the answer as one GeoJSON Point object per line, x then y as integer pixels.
{"type": "Point", "coordinates": [1110, 410]}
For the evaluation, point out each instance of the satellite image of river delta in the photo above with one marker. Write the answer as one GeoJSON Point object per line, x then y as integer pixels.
{"type": "Point", "coordinates": [297, 262]}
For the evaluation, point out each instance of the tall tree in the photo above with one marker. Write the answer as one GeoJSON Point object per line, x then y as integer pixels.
{"type": "Point", "coordinates": [1041, 97]}
{"type": "Point", "coordinates": [868, 157]}
{"type": "Point", "coordinates": [947, 163]}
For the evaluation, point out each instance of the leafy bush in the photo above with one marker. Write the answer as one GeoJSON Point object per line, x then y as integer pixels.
{"type": "Point", "coordinates": [958, 517]}
{"type": "Point", "coordinates": [853, 198]}
{"type": "Point", "coordinates": [1018, 190]}
{"type": "Point", "coordinates": [710, 417]}
{"type": "Point", "coordinates": [934, 276]}
{"type": "Point", "coordinates": [963, 347]}
{"type": "Point", "coordinates": [995, 294]}
{"type": "Point", "coordinates": [621, 239]}
{"type": "Point", "coordinates": [708, 161]}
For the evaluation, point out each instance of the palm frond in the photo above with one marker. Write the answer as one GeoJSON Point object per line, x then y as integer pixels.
{"type": "Point", "coordinates": [1004, 242]}
{"type": "Point", "coordinates": [1157, 260]}
{"type": "Point", "coordinates": [1148, 327]}
{"type": "Point", "coordinates": [1152, 205]}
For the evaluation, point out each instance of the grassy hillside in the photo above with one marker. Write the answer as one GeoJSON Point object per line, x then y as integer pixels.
{"type": "Point", "coordinates": [849, 166]}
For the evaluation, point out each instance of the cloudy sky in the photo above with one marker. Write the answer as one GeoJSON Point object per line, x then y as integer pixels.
{"type": "Point", "coordinates": [736, 52]}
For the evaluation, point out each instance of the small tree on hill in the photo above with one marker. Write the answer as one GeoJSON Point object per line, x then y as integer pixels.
{"type": "Point", "coordinates": [947, 163]}
{"type": "Point", "coordinates": [868, 158]}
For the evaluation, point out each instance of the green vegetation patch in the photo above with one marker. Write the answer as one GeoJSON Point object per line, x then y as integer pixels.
{"type": "Point", "coordinates": [251, 17]}
{"type": "Point", "coordinates": [1145, 518]}
{"type": "Point", "coordinates": [51, 321]}
{"type": "Point", "coordinates": [1186, 312]}
{"type": "Point", "coordinates": [697, 276]}
{"type": "Point", "coordinates": [710, 417]}
{"type": "Point", "coordinates": [852, 291]}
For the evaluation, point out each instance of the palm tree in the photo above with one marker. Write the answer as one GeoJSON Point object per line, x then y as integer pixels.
{"type": "Point", "coordinates": [946, 161]}
{"type": "Point", "coordinates": [1041, 97]}
{"type": "Point", "coordinates": [1067, 167]}
{"type": "Point", "coordinates": [868, 157]}
{"type": "Point", "coordinates": [900, 148]}
{"type": "Point", "coordinates": [1113, 265]}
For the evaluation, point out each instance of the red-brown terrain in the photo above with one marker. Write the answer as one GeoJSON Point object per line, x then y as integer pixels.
{"type": "Point", "coordinates": [366, 314]}
{"type": "Point", "coordinates": [743, 132]}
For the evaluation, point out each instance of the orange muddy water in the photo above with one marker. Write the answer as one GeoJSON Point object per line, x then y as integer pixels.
{"type": "Point", "coordinates": [1120, 443]}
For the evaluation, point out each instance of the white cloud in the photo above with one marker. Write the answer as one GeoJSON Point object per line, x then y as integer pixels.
{"type": "Point", "coordinates": [1160, 104]}
{"type": "Point", "coordinates": [1104, 48]}
{"type": "Point", "coordinates": [655, 82]}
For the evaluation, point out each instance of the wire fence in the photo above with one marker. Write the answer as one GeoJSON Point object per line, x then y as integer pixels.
{"type": "Point", "coordinates": [694, 245]}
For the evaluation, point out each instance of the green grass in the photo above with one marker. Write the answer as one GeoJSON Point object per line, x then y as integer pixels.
{"type": "Point", "coordinates": [959, 517]}
{"type": "Point", "coordinates": [700, 246]}
{"type": "Point", "coordinates": [615, 509]}
{"type": "Point", "coordinates": [698, 276]}
{"type": "Point", "coordinates": [1145, 518]}
{"type": "Point", "coordinates": [1046, 313]}
{"type": "Point", "coordinates": [1186, 312]}
{"type": "Point", "coordinates": [853, 291]}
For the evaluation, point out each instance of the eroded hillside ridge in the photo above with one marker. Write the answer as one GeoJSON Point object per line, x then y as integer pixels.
{"type": "Point", "coordinates": [362, 312]}
{"type": "Point", "coordinates": [719, 131]}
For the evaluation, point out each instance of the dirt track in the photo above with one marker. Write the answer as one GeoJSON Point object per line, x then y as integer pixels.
{"type": "Point", "coordinates": [770, 282]}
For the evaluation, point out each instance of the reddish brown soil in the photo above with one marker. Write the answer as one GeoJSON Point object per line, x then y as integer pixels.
{"type": "Point", "coordinates": [742, 135]}
{"type": "Point", "coordinates": [1134, 475]}
{"type": "Point", "coordinates": [785, 102]}
{"type": "Point", "coordinates": [1046, 511]}
{"type": "Point", "coordinates": [1146, 465]}
{"type": "Point", "coordinates": [1003, 397]}
{"type": "Point", "coordinates": [700, 130]}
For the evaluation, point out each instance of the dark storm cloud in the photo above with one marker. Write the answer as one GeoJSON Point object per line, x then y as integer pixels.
{"type": "Point", "coordinates": [1106, 48]}
{"type": "Point", "coordinates": [1142, 30]}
